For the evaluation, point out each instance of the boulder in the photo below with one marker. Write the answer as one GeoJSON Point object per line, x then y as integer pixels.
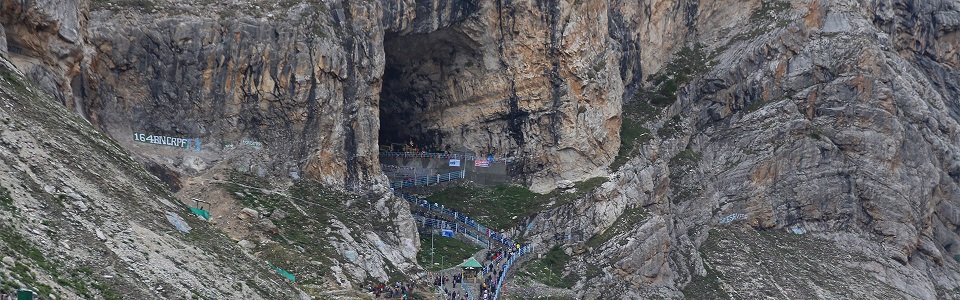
{"type": "Point", "coordinates": [268, 226]}
{"type": "Point", "coordinates": [248, 213]}
{"type": "Point", "coordinates": [246, 244]}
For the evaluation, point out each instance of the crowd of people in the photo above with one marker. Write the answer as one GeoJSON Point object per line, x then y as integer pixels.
{"type": "Point", "coordinates": [450, 285]}
{"type": "Point", "coordinates": [4, 295]}
{"type": "Point", "coordinates": [395, 291]}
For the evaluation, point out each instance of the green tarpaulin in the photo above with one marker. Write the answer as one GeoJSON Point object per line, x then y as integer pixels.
{"type": "Point", "coordinates": [201, 213]}
{"type": "Point", "coordinates": [284, 273]}
{"type": "Point", "coordinates": [471, 263]}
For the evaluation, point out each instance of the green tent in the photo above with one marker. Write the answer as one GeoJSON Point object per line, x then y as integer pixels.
{"type": "Point", "coordinates": [471, 263]}
{"type": "Point", "coordinates": [201, 213]}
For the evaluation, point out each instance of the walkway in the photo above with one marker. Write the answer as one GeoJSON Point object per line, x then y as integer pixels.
{"type": "Point", "coordinates": [497, 263]}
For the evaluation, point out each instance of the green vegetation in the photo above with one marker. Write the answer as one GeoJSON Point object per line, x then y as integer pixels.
{"type": "Point", "coordinates": [815, 133]}
{"type": "Point", "coordinates": [17, 244]}
{"type": "Point", "coordinates": [447, 252]}
{"type": "Point", "coordinates": [687, 64]}
{"type": "Point", "coordinates": [632, 135]}
{"type": "Point", "coordinates": [768, 10]}
{"type": "Point", "coordinates": [761, 19]}
{"type": "Point", "coordinates": [705, 287]}
{"type": "Point", "coordinates": [304, 235]}
{"type": "Point", "coordinates": [626, 221]}
{"type": "Point", "coordinates": [503, 206]}
{"type": "Point", "coordinates": [6, 201]}
{"type": "Point", "coordinates": [671, 127]}
{"type": "Point", "coordinates": [13, 243]}
{"type": "Point", "coordinates": [795, 257]}
{"type": "Point", "coordinates": [680, 165]}
{"type": "Point", "coordinates": [549, 269]}
{"type": "Point", "coordinates": [19, 88]}
{"type": "Point", "coordinates": [755, 105]}
{"type": "Point", "coordinates": [107, 292]}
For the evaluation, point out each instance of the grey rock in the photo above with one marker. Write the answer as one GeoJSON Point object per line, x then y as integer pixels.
{"type": "Point", "coordinates": [268, 226]}
{"type": "Point", "coordinates": [278, 214]}
{"type": "Point", "coordinates": [246, 244]}
{"type": "Point", "coordinates": [9, 261]}
{"type": "Point", "coordinates": [248, 213]}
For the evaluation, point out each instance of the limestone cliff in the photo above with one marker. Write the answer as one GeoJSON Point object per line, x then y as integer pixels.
{"type": "Point", "coordinates": [834, 119]}
{"type": "Point", "coordinates": [814, 157]}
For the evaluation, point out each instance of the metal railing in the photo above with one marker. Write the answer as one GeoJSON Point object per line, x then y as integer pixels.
{"type": "Point", "coordinates": [441, 156]}
{"type": "Point", "coordinates": [513, 257]}
{"type": "Point", "coordinates": [429, 180]}
{"type": "Point", "coordinates": [515, 251]}
{"type": "Point", "coordinates": [444, 224]}
{"type": "Point", "coordinates": [491, 234]}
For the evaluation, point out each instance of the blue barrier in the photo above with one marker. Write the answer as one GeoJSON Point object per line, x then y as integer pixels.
{"type": "Point", "coordinates": [506, 267]}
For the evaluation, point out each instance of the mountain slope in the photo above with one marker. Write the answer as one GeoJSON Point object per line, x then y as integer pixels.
{"type": "Point", "coordinates": [81, 219]}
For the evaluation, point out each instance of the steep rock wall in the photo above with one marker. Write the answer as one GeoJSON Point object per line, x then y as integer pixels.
{"type": "Point", "coordinates": [837, 121]}
{"type": "Point", "coordinates": [534, 81]}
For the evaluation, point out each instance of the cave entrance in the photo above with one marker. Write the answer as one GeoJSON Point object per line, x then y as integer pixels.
{"type": "Point", "coordinates": [422, 89]}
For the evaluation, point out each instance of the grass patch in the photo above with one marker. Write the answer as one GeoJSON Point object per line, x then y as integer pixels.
{"type": "Point", "coordinates": [17, 244]}
{"type": "Point", "coordinates": [447, 252]}
{"type": "Point", "coordinates": [680, 165]}
{"type": "Point", "coordinates": [687, 63]}
{"type": "Point", "coordinates": [303, 236]}
{"type": "Point", "coordinates": [705, 287]}
{"type": "Point", "coordinates": [671, 127]}
{"type": "Point", "coordinates": [768, 11]}
{"type": "Point", "coordinates": [624, 223]}
{"type": "Point", "coordinates": [6, 201]}
{"type": "Point", "coordinates": [762, 18]}
{"type": "Point", "coordinates": [503, 206]}
{"type": "Point", "coordinates": [632, 135]}
{"type": "Point", "coordinates": [549, 269]}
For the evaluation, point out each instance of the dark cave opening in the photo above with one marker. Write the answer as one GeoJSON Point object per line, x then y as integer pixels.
{"type": "Point", "coordinates": [420, 84]}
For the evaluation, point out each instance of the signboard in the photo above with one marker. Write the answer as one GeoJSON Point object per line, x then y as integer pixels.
{"type": "Point", "coordinates": [185, 143]}
{"type": "Point", "coordinates": [490, 157]}
{"type": "Point", "coordinates": [454, 163]}
{"type": "Point", "coordinates": [483, 163]}
{"type": "Point", "coordinates": [446, 233]}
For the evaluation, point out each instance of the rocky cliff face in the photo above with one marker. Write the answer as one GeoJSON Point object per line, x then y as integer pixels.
{"type": "Point", "coordinates": [535, 81]}
{"type": "Point", "coordinates": [836, 119]}
{"type": "Point", "coordinates": [829, 127]}
{"type": "Point", "coordinates": [531, 81]}
{"type": "Point", "coordinates": [82, 220]}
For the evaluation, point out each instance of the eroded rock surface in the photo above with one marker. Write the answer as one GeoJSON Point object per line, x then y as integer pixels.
{"type": "Point", "coordinates": [836, 120]}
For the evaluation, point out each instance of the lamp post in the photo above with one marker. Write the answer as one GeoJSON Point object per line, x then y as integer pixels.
{"type": "Point", "coordinates": [431, 245]}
